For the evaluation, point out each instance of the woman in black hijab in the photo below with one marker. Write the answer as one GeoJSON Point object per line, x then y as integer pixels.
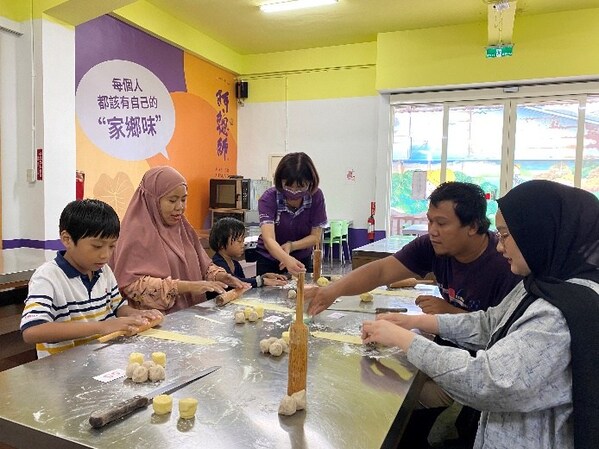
{"type": "Point", "coordinates": [535, 373]}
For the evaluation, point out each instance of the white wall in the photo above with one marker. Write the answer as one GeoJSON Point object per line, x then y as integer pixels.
{"type": "Point", "coordinates": [30, 210]}
{"type": "Point", "coordinates": [339, 134]}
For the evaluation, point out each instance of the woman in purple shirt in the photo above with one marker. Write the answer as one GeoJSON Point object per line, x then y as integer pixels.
{"type": "Point", "coordinates": [292, 214]}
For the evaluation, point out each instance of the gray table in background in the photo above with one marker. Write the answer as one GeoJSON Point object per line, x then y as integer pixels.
{"type": "Point", "coordinates": [354, 392]}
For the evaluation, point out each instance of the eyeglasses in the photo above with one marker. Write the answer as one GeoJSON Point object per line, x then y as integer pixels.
{"type": "Point", "coordinates": [502, 236]}
{"type": "Point", "coordinates": [296, 190]}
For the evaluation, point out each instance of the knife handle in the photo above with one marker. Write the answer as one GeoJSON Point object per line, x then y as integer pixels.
{"type": "Point", "coordinates": [100, 418]}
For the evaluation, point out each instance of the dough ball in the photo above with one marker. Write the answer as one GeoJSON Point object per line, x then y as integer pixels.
{"type": "Point", "coordinates": [156, 373]}
{"type": "Point", "coordinates": [187, 408]}
{"type": "Point", "coordinates": [285, 336]}
{"type": "Point", "coordinates": [264, 345]}
{"type": "Point", "coordinates": [259, 310]}
{"type": "Point", "coordinates": [287, 406]}
{"type": "Point", "coordinates": [253, 316]}
{"type": "Point", "coordinates": [148, 364]}
{"type": "Point", "coordinates": [159, 358]}
{"type": "Point", "coordinates": [136, 357]}
{"type": "Point", "coordinates": [276, 349]}
{"type": "Point", "coordinates": [271, 340]}
{"type": "Point", "coordinates": [130, 368]}
{"type": "Point", "coordinates": [291, 294]}
{"type": "Point", "coordinates": [336, 277]}
{"type": "Point", "coordinates": [140, 374]}
{"type": "Point", "coordinates": [239, 317]}
{"type": "Point", "coordinates": [366, 297]}
{"type": "Point", "coordinates": [284, 344]}
{"type": "Point", "coordinates": [247, 311]}
{"type": "Point", "coordinates": [322, 282]}
{"type": "Point", "coordinates": [300, 399]}
{"type": "Point", "coordinates": [162, 404]}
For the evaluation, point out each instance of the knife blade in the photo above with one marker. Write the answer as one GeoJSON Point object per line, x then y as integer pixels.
{"type": "Point", "coordinates": [373, 311]}
{"type": "Point", "coordinates": [100, 418]}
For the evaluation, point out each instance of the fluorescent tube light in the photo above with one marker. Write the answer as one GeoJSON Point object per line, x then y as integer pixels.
{"type": "Point", "coordinates": [294, 4]}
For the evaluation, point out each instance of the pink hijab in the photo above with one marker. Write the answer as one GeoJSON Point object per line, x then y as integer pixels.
{"type": "Point", "coordinates": [148, 247]}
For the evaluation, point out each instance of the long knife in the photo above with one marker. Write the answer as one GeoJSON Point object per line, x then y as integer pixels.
{"type": "Point", "coordinates": [100, 418]}
{"type": "Point", "coordinates": [374, 311]}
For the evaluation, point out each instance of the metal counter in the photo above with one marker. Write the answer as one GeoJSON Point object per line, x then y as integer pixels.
{"type": "Point", "coordinates": [354, 392]}
{"type": "Point", "coordinates": [379, 249]}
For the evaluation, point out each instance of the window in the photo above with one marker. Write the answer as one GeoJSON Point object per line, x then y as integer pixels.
{"type": "Point", "coordinates": [494, 142]}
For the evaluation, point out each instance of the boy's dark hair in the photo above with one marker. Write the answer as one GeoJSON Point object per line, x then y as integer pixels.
{"type": "Point", "coordinates": [89, 218]}
{"type": "Point", "coordinates": [223, 229]}
{"type": "Point", "coordinates": [469, 200]}
{"type": "Point", "coordinates": [297, 167]}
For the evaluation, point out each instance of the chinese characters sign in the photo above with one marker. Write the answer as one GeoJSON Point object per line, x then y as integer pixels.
{"type": "Point", "coordinates": [222, 124]}
{"type": "Point", "coordinates": [125, 110]}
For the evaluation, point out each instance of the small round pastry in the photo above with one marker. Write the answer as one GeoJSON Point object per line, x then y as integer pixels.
{"type": "Point", "coordinates": [322, 282]}
{"type": "Point", "coordinates": [187, 408]}
{"type": "Point", "coordinates": [300, 399]}
{"type": "Point", "coordinates": [159, 358]}
{"type": "Point", "coordinates": [140, 374]}
{"type": "Point", "coordinates": [366, 297]}
{"type": "Point", "coordinates": [156, 373]}
{"type": "Point", "coordinates": [247, 312]}
{"type": "Point", "coordinates": [130, 368]}
{"type": "Point", "coordinates": [291, 294]}
{"type": "Point", "coordinates": [259, 310]}
{"type": "Point", "coordinates": [287, 406]}
{"type": "Point", "coordinates": [239, 317]}
{"type": "Point", "coordinates": [162, 404]}
{"type": "Point", "coordinates": [253, 316]}
{"type": "Point", "coordinates": [285, 336]}
{"type": "Point", "coordinates": [264, 345]}
{"type": "Point", "coordinates": [136, 357]}
{"type": "Point", "coordinates": [276, 349]}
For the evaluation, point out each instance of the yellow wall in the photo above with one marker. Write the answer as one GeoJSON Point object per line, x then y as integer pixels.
{"type": "Point", "coordinates": [545, 46]}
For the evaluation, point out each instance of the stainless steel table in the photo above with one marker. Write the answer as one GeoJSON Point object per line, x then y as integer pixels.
{"type": "Point", "coordinates": [354, 392]}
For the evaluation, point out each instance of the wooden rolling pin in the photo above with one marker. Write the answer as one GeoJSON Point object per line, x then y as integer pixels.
{"type": "Point", "coordinates": [113, 335]}
{"type": "Point", "coordinates": [316, 272]}
{"type": "Point", "coordinates": [228, 296]}
{"type": "Point", "coordinates": [298, 344]}
{"type": "Point", "coordinates": [410, 282]}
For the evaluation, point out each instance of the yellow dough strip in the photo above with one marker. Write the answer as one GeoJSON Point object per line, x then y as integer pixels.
{"type": "Point", "coordinates": [175, 336]}
{"type": "Point", "coordinates": [266, 305]}
{"type": "Point", "coordinates": [405, 292]}
{"type": "Point", "coordinates": [344, 338]}
{"type": "Point", "coordinates": [209, 319]}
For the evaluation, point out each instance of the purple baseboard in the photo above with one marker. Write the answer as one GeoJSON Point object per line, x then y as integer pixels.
{"type": "Point", "coordinates": [28, 243]}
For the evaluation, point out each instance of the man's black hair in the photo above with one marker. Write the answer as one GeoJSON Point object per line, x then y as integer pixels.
{"type": "Point", "coordinates": [223, 229]}
{"type": "Point", "coordinates": [89, 218]}
{"type": "Point", "coordinates": [470, 203]}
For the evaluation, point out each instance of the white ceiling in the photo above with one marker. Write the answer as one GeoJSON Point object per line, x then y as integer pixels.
{"type": "Point", "coordinates": [241, 26]}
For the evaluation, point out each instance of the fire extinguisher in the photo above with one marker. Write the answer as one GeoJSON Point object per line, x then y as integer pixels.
{"type": "Point", "coordinates": [371, 222]}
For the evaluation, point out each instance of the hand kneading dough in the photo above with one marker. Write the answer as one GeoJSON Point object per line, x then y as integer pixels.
{"type": "Point", "coordinates": [130, 368]}
{"type": "Point", "coordinates": [253, 316]}
{"type": "Point", "coordinates": [366, 297]}
{"type": "Point", "coordinates": [187, 408]}
{"type": "Point", "coordinates": [140, 374]}
{"type": "Point", "coordinates": [322, 282]}
{"type": "Point", "coordinates": [287, 406]}
{"type": "Point", "coordinates": [159, 358]}
{"type": "Point", "coordinates": [162, 404]}
{"type": "Point", "coordinates": [291, 294]}
{"type": "Point", "coordinates": [239, 317]}
{"type": "Point", "coordinates": [136, 357]}
{"type": "Point", "coordinates": [300, 399]}
{"type": "Point", "coordinates": [276, 349]}
{"type": "Point", "coordinates": [156, 373]}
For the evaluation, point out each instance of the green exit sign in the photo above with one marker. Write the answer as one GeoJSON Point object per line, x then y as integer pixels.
{"type": "Point", "coordinates": [500, 51]}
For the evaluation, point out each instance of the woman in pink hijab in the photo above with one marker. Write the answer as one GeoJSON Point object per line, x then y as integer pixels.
{"type": "Point", "coordinates": [159, 262]}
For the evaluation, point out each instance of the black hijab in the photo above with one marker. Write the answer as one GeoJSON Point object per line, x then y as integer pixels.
{"type": "Point", "coordinates": [556, 228]}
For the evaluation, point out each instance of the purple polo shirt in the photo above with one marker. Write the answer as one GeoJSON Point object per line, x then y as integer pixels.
{"type": "Point", "coordinates": [472, 286]}
{"type": "Point", "coordinates": [291, 225]}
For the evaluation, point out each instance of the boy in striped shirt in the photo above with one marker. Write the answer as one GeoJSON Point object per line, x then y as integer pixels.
{"type": "Point", "coordinates": [75, 298]}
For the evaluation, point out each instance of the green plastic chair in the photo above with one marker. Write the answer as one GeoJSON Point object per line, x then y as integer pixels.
{"type": "Point", "coordinates": [345, 239]}
{"type": "Point", "coordinates": [334, 238]}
